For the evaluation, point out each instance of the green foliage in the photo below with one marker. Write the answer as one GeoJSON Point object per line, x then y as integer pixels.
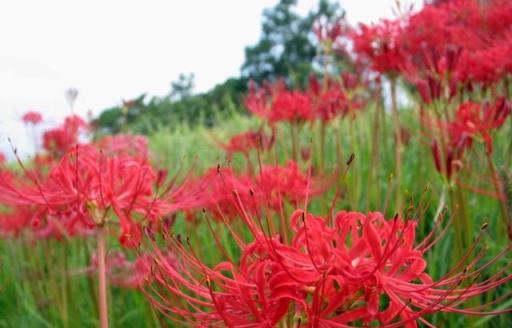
{"type": "Point", "coordinates": [33, 292]}
{"type": "Point", "coordinates": [179, 107]}
{"type": "Point", "coordinates": [287, 48]}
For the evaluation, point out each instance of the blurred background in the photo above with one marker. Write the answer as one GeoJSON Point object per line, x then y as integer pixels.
{"type": "Point", "coordinates": [190, 58]}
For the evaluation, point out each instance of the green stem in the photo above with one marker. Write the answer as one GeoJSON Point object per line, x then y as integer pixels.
{"type": "Point", "coordinates": [322, 146]}
{"type": "Point", "coordinates": [373, 192]}
{"type": "Point", "coordinates": [102, 277]}
{"type": "Point", "coordinates": [501, 196]}
{"type": "Point", "coordinates": [293, 132]}
{"type": "Point", "coordinates": [398, 147]}
{"type": "Point", "coordinates": [355, 191]}
{"type": "Point", "coordinates": [457, 224]}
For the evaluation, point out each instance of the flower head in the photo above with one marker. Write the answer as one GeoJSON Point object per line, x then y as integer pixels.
{"type": "Point", "coordinates": [60, 139]}
{"type": "Point", "coordinates": [247, 141]}
{"type": "Point", "coordinates": [473, 120]}
{"type": "Point", "coordinates": [276, 103]}
{"type": "Point", "coordinates": [380, 45]}
{"type": "Point", "coordinates": [360, 269]}
{"type": "Point", "coordinates": [32, 117]}
{"type": "Point", "coordinates": [125, 144]}
{"type": "Point", "coordinates": [87, 188]}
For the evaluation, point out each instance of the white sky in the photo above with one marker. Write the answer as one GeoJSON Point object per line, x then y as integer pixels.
{"type": "Point", "coordinates": [113, 49]}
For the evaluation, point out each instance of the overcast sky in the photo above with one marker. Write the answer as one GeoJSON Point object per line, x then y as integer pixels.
{"type": "Point", "coordinates": [111, 49]}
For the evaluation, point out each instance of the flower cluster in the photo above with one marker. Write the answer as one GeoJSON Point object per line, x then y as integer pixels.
{"type": "Point", "coordinates": [322, 100]}
{"type": "Point", "coordinates": [276, 103]}
{"type": "Point", "coordinates": [32, 117]}
{"type": "Point", "coordinates": [271, 188]}
{"type": "Point", "coordinates": [84, 189]}
{"type": "Point", "coordinates": [472, 121]}
{"type": "Point", "coordinates": [464, 41]}
{"type": "Point", "coordinates": [270, 261]}
{"type": "Point", "coordinates": [58, 140]}
{"type": "Point", "coordinates": [246, 142]}
{"type": "Point", "coordinates": [361, 269]}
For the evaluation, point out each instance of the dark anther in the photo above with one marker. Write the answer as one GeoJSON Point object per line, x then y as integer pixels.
{"type": "Point", "coordinates": [352, 156]}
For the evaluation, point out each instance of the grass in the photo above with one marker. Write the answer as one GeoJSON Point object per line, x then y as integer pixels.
{"type": "Point", "coordinates": [34, 292]}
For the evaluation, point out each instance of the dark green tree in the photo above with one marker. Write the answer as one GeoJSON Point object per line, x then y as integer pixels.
{"type": "Point", "coordinates": [287, 47]}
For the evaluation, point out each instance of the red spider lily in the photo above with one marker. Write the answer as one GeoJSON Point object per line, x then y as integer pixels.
{"type": "Point", "coordinates": [379, 44]}
{"type": "Point", "coordinates": [453, 156]}
{"type": "Point", "coordinates": [473, 119]}
{"type": "Point", "coordinates": [14, 221]}
{"type": "Point", "coordinates": [478, 30]}
{"type": "Point", "coordinates": [488, 60]}
{"type": "Point", "coordinates": [290, 106]}
{"type": "Point", "coordinates": [329, 100]}
{"type": "Point", "coordinates": [272, 187]}
{"type": "Point", "coordinates": [247, 141]}
{"type": "Point", "coordinates": [32, 117]}
{"type": "Point", "coordinates": [58, 140]}
{"type": "Point", "coordinates": [124, 144]}
{"type": "Point", "coordinates": [214, 191]}
{"type": "Point", "coordinates": [333, 98]}
{"type": "Point", "coordinates": [2, 158]}
{"type": "Point", "coordinates": [86, 188]}
{"type": "Point", "coordinates": [276, 184]}
{"type": "Point", "coordinates": [323, 101]}
{"type": "Point", "coordinates": [328, 276]}
{"type": "Point", "coordinates": [353, 81]}
{"type": "Point", "coordinates": [435, 75]}
{"type": "Point", "coordinates": [276, 103]}
{"type": "Point", "coordinates": [40, 223]}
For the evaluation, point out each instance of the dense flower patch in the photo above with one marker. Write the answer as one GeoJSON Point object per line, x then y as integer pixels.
{"type": "Point", "coordinates": [296, 235]}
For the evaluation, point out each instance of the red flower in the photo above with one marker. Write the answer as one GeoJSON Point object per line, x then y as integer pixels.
{"type": "Point", "coordinates": [125, 144]}
{"type": "Point", "coordinates": [85, 188]}
{"type": "Point", "coordinates": [477, 31]}
{"type": "Point", "coordinates": [379, 44]}
{"type": "Point", "coordinates": [473, 120]}
{"type": "Point", "coordinates": [276, 103]}
{"type": "Point", "coordinates": [32, 117]}
{"type": "Point", "coordinates": [328, 101]}
{"type": "Point", "coordinates": [270, 189]}
{"type": "Point", "coordinates": [277, 184]}
{"type": "Point", "coordinates": [247, 141]}
{"type": "Point", "coordinates": [14, 221]}
{"type": "Point", "coordinates": [58, 140]}
{"type": "Point", "coordinates": [214, 191]}
{"type": "Point", "coordinates": [453, 156]}
{"type": "Point", "coordinates": [335, 98]}
{"type": "Point", "coordinates": [328, 276]}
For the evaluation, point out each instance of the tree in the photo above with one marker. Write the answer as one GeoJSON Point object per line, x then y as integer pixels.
{"type": "Point", "coordinates": [183, 87]}
{"type": "Point", "coordinates": [287, 47]}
